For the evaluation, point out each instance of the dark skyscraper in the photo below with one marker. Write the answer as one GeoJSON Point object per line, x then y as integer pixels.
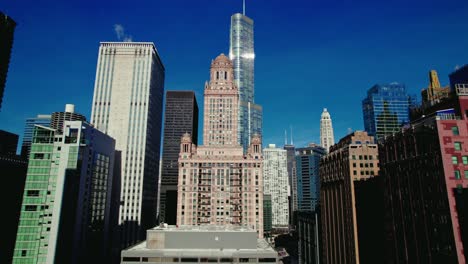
{"type": "Point", "coordinates": [8, 143]}
{"type": "Point", "coordinates": [459, 76]}
{"type": "Point", "coordinates": [181, 117]}
{"type": "Point", "coordinates": [7, 28]}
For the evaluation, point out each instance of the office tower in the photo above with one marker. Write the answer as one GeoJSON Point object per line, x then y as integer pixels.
{"type": "Point", "coordinates": [127, 105]}
{"type": "Point", "coordinates": [59, 118]}
{"type": "Point", "coordinates": [292, 179]}
{"type": "Point", "coordinates": [7, 28]}
{"type": "Point", "coordinates": [434, 93]}
{"type": "Point", "coordinates": [219, 184]}
{"type": "Point", "coordinates": [308, 237]}
{"type": "Point", "coordinates": [180, 116]}
{"type": "Point", "coordinates": [327, 138]}
{"type": "Point", "coordinates": [42, 120]}
{"type": "Point", "coordinates": [459, 76]}
{"type": "Point", "coordinates": [66, 203]}
{"type": "Point", "coordinates": [275, 183]}
{"type": "Point", "coordinates": [385, 109]}
{"type": "Point", "coordinates": [307, 171]}
{"type": "Point", "coordinates": [8, 143]}
{"type": "Point", "coordinates": [13, 171]}
{"type": "Point", "coordinates": [201, 244]}
{"type": "Point", "coordinates": [241, 52]}
{"type": "Point", "coordinates": [425, 173]}
{"type": "Point", "coordinates": [351, 213]}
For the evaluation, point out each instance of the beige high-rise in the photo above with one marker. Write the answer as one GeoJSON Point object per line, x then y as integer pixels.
{"type": "Point", "coordinates": [218, 184]}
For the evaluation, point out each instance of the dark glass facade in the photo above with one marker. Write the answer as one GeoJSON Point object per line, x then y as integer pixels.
{"type": "Point", "coordinates": [460, 76]}
{"type": "Point", "coordinates": [385, 109]}
{"type": "Point", "coordinates": [181, 116]}
{"type": "Point", "coordinates": [7, 28]}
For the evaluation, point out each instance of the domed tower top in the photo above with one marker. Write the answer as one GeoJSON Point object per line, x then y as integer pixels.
{"type": "Point", "coordinates": [325, 113]}
{"type": "Point", "coordinates": [222, 73]}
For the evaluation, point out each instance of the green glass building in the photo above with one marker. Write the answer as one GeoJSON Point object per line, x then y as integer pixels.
{"type": "Point", "coordinates": [66, 203]}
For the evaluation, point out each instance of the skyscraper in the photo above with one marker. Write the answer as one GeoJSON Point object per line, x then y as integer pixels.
{"type": "Point", "coordinates": [127, 105]}
{"type": "Point", "coordinates": [351, 202]}
{"type": "Point", "coordinates": [180, 116]}
{"type": "Point", "coordinates": [327, 138]}
{"type": "Point", "coordinates": [7, 28]}
{"type": "Point", "coordinates": [219, 184]}
{"type": "Point", "coordinates": [385, 109]}
{"type": "Point", "coordinates": [241, 52]}
{"type": "Point", "coordinates": [292, 178]}
{"type": "Point", "coordinates": [275, 184]}
{"type": "Point", "coordinates": [59, 118]}
{"type": "Point", "coordinates": [66, 201]}
{"type": "Point", "coordinates": [42, 120]}
{"type": "Point", "coordinates": [434, 93]}
{"type": "Point", "coordinates": [8, 143]}
{"type": "Point", "coordinates": [308, 181]}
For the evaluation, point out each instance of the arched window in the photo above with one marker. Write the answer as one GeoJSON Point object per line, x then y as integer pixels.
{"type": "Point", "coordinates": [217, 75]}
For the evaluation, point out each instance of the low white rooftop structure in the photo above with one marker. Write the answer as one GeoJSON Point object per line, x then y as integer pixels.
{"type": "Point", "coordinates": [201, 244]}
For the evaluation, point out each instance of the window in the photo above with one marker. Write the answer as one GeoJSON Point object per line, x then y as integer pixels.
{"type": "Point", "coordinates": [454, 160]}
{"type": "Point", "coordinates": [457, 174]}
{"type": "Point", "coordinates": [466, 174]}
{"type": "Point", "coordinates": [30, 208]}
{"type": "Point", "coordinates": [455, 130]}
{"type": "Point", "coordinates": [457, 145]}
{"type": "Point", "coordinates": [465, 160]}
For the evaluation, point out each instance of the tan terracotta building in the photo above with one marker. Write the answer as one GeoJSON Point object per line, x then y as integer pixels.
{"type": "Point", "coordinates": [218, 184]}
{"type": "Point", "coordinates": [350, 202]}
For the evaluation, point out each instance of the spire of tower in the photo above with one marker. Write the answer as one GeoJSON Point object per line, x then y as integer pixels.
{"type": "Point", "coordinates": [292, 142]}
{"type": "Point", "coordinates": [285, 137]}
{"type": "Point", "coordinates": [243, 8]}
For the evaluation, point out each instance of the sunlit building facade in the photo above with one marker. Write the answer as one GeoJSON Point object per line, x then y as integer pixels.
{"type": "Point", "coordinates": [327, 138]}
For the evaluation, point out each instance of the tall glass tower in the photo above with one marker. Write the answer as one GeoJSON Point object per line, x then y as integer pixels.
{"type": "Point", "coordinates": [385, 109]}
{"type": "Point", "coordinates": [241, 52]}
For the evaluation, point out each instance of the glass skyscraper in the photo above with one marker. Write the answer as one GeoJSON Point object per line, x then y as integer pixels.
{"type": "Point", "coordinates": [385, 109]}
{"type": "Point", "coordinates": [242, 54]}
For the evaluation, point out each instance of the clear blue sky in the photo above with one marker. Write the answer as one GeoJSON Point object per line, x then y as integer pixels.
{"type": "Point", "coordinates": [309, 54]}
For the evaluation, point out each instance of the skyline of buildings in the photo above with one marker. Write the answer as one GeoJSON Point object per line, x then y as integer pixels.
{"type": "Point", "coordinates": [336, 196]}
{"type": "Point", "coordinates": [180, 117]}
{"type": "Point", "coordinates": [7, 30]}
{"type": "Point", "coordinates": [127, 105]}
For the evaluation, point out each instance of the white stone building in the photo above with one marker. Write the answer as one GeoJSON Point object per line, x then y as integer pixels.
{"type": "Point", "coordinates": [327, 139]}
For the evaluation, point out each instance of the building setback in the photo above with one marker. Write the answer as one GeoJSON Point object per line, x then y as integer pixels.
{"type": "Point", "coordinates": [13, 171]}
{"type": "Point", "coordinates": [308, 181]}
{"type": "Point", "coordinates": [425, 172]}
{"type": "Point", "coordinates": [7, 29]}
{"type": "Point", "coordinates": [201, 244]}
{"type": "Point", "coordinates": [42, 120]}
{"type": "Point", "coordinates": [327, 138]}
{"type": "Point", "coordinates": [127, 105]}
{"type": "Point", "coordinates": [58, 118]}
{"type": "Point", "coordinates": [181, 116]}
{"type": "Point", "coordinates": [351, 202]}
{"type": "Point", "coordinates": [386, 109]}
{"type": "Point", "coordinates": [218, 184]}
{"type": "Point", "coordinates": [275, 184]}
{"type": "Point", "coordinates": [66, 203]}
{"type": "Point", "coordinates": [241, 52]}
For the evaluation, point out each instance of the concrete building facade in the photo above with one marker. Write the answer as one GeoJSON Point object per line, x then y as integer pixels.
{"type": "Point", "coordinates": [58, 118]}
{"type": "Point", "coordinates": [127, 105]}
{"type": "Point", "coordinates": [345, 174]}
{"type": "Point", "coordinates": [217, 183]}
{"type": "Point", "coordinates": [181, 116]}
{"type": "Point", "coordinates": [275, 184]}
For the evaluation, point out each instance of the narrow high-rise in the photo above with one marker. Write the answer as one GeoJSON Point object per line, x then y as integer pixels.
{"type": "Point", "coordinates": [127, 105]}
{"type": "Point", "coordinates": [7, 29]}
{"type": "Point", "coordinates": [275, 184]}
{"type": "Point", "coordinates": [327, 138]}
{"type": "Point", "coordinates": [241, 52]}
{"type": "Point", "coordinates": [219, 184]}
{"type": "Point", "coordinates": [180, 117]}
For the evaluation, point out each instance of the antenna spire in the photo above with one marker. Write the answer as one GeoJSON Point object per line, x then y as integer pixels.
{"type": "Point", "coordinates": [292, 142]}
{"type": "Point", "coordinates": [243, 8]}
{"type": "Point", "coordinates": [285, 137]}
